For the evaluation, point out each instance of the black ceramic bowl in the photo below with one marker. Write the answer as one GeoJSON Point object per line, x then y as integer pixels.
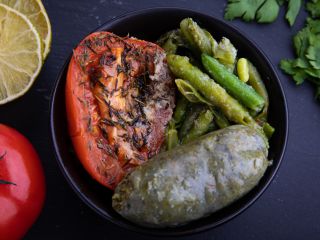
{"type": "Point", "coordinates": [149, 24]}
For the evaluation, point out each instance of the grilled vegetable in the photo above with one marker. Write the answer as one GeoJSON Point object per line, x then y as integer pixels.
{"type": "Point", "coordinates": [200, 126]}
{"type": "Point", "coordinates": [172, 139]}
{"type": "Point", "coordinates": [193, 180]}
{"type": "Point", "coordinates": [268, 130]}
{"type": "Point", "coordinates": [238, 89]}
{"type": "Point", "coordinates": [198, 39]}
{"type": "Point", "coordinates": [256, 82]}
{"type": "Point", "coordinates": [119, 99]}
{"type": "Point", "coordinates": [180, 110]}
{"type": "Point", "coordinates": [213, 92]}
{"type": "Point", "coordinates": [189, 92]}
{"type": "Point", "coordinates": [219, 118]}
{"type": "Point", "coordinates": [191, 115]}
{"type": "Point", "coordinates": [226, 53]}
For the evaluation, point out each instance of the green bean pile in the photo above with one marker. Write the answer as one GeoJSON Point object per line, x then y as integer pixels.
{"type": "Point", "coordinates": [215, 88]}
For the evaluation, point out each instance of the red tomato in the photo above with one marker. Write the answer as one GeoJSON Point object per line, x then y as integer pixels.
{"type": "Point", "coordinates": [22, 184]}
{"type": "Point", "coordinates": [108, 93]}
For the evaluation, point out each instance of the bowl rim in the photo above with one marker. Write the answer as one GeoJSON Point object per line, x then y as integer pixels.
{"type": "Point", "coordinates": [150, 231]}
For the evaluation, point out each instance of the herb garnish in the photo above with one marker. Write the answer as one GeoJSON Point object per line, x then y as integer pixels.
{"type": "Point", "coordinates": [307, 48]}
{"type": "Point", "coordinates": [263, 11]}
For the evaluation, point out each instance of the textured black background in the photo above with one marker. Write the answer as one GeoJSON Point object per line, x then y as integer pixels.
{"type": "Point", "coordinates": [289, 209]}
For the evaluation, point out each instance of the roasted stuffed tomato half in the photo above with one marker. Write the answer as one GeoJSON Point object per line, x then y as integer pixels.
{"type": "Point", "coordinates": [119, 100]}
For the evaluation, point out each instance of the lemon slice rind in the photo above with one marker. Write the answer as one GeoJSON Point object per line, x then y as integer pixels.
{"type": "Point", "coordinates": [12, 72]}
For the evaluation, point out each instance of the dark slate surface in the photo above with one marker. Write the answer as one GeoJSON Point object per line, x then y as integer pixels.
{"type": "Point", "coordinates": [289, 209]}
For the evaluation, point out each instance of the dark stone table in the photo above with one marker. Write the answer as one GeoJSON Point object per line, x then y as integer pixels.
{"type": "Point", "coordinates": [289, 209]}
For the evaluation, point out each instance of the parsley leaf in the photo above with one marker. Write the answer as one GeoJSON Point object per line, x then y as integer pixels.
{"type": "Point", "coordinates": [268, 12]}
{"type": "Point", "coordinates": [245, 9]}
{"type": "Point", "coordinates": [313, 52]}
{"type": "Point", "coordinates": [307, 48]}
{"type": "Point", "coordinates": [298, 74]}
{"type": "Point", "coordinates": [293, 10]}
{"type": "Point", "coordinates": [314, 8]}
{"type": "Point", "coordinates": [314, 25]}
{"type": "Point", "coordinates": [301, 41]}
{"type": "Point", "coordinates": [306, 65]}
{"type": "Point", "coordinates": [263, 11]}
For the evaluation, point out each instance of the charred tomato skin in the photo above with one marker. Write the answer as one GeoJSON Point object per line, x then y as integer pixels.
{"type": "Point", "coordinates": [22, 184]}
{"type": "Point", "coordinates": [119, 99]}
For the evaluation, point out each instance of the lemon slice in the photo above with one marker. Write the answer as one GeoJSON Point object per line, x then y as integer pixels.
{"type": "Point", "coordinates": [20, 54]}
{"type": "Point", "coordinates": [35, 11]}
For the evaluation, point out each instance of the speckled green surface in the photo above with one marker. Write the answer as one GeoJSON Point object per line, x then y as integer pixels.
{"type": "Point", "coordinates": [193, 180]}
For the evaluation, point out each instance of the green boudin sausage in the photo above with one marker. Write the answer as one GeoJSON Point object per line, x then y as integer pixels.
{"type": "Point", "coordinates": [193, 180]}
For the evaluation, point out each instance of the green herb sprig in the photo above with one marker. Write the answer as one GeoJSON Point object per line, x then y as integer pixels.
{"type": "Point", "coordinates": [306, 65]}
{"type": "Point", "coordinates": [263, 11]}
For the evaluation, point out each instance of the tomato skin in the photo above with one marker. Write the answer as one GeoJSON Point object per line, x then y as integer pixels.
{"type": "Point", "coordinates": [21, 201]}
{"type": "Point", "coordinates": [110, 132]}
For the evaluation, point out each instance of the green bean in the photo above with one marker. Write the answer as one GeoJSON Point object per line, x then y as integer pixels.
{"type": "Point", "coordinates": [180, 110]}
{"type": "Point", "coordinates": [172, 139]}
{"type": "Point", "coordinates": [256, 82]}
{"type": "Point", "coordinates": [193, 96]}
{"type": "Point", "coordinates": [219, 118]}
{"type": "Point", "coordinates": [238, 89]}
{"type": "Point", "coordinates": [268, 130]}
{"type": "Point", "coordinates": [213, 92]}
{"type": "Point", "coordinates": [191, 115]}
{"type": "Point", "coordinates": [199, 127]}
{"type": "Point", "coordinates": [195, 37]}
{"type": "Point", "coordinates": [189, 92]}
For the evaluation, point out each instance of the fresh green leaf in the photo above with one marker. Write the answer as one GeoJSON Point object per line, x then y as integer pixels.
{"type": "Point", "coordinates": [307, 47]}
{"type": "Point", "coordinates": [298, 74]}
{"type": "Point", "coordinates": [314, 8]}
{"type": "Point", "coordinates": [313, 25]}
{"type": "Point", "coordinates": [245, 9]}
{"type": "Point", "coordinates": [293, 10]}
{"type": "Point", "coordinates": [287, 66]}
{"type": "Point", "coordinates": [264, 11]}
{"type": "Point", "coordinates": [301, 63]}
{"type": "Point", "coordinates": [301, 41]}
{"type": "Point", "coordinates": [268, 12]}
{"type": "Point", "coordinates": [313, 54]}
{"type": "Point", "coordinates": [313, 73]}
